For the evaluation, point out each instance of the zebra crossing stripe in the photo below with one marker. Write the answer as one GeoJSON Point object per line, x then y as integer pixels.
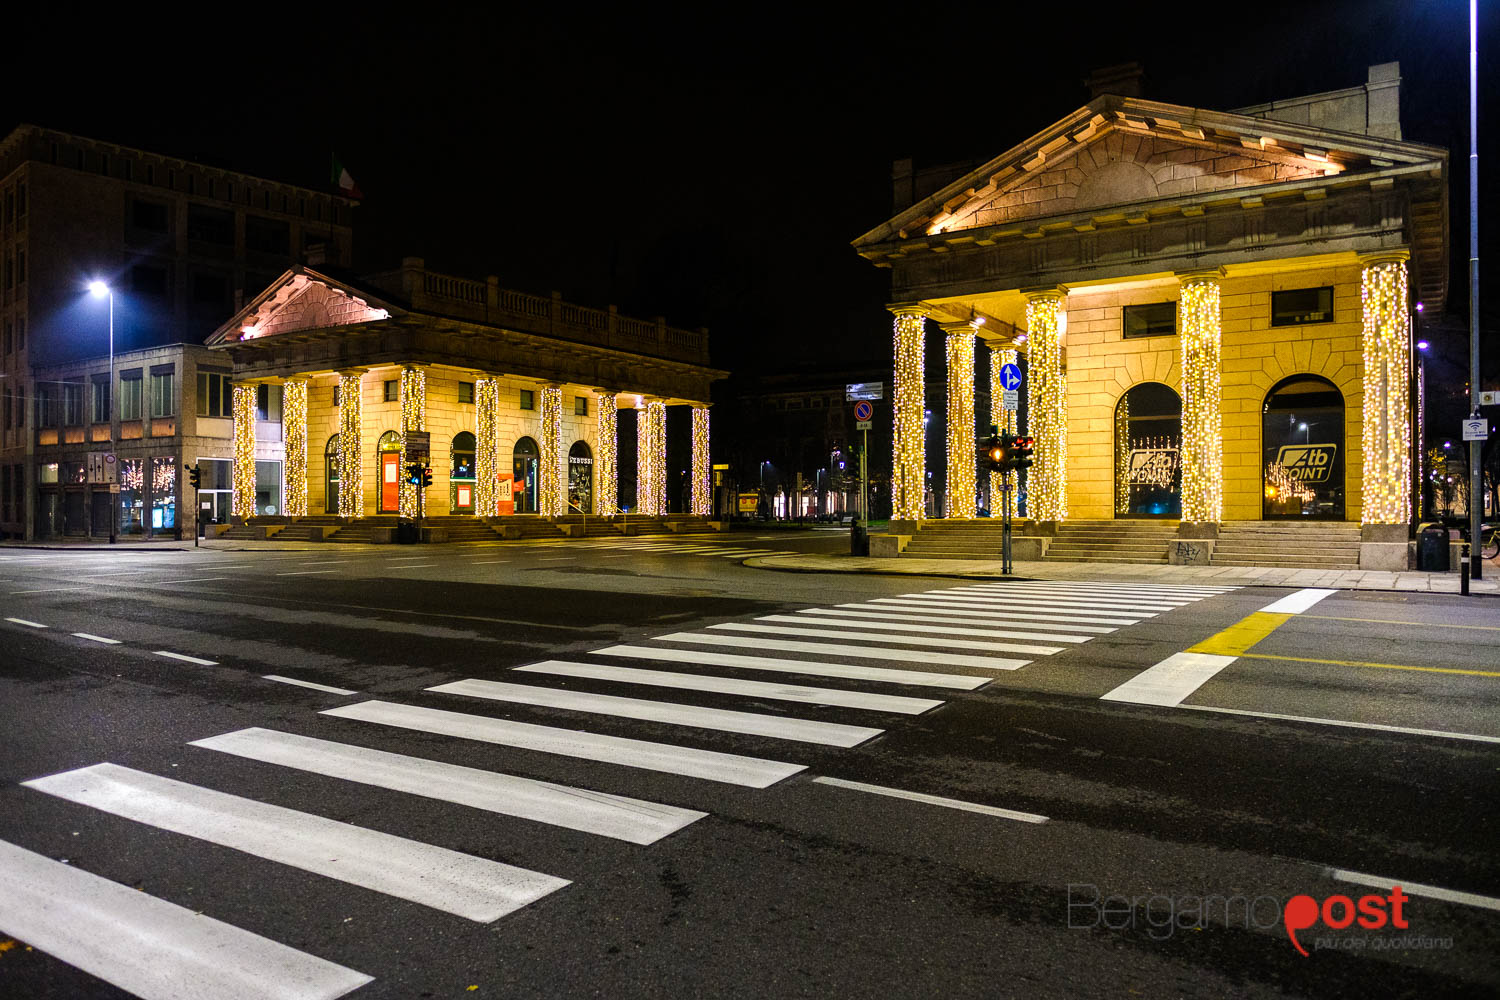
{"type": "Point", "coordinates": [460, 884]}
{"type": "Point", "coordinates": [1176, 600]}
{"type": "Point", "coordinates": [711, 765]}
{"type": "Point", "coordinates": [1042, 600]}
{"type": "Point", "coordinates": [149, 947]}
{"type": "Point", "coordinates": [812, 668]}
{"type": "Point", "coordinates": [913, 640]}
{"type": "Point", "coordinates": [730, 685]}
{"type": "Point", "coordinates": [1036, 605]}
{"type": "Point", "coordinates": [863, 612]}
{"type": "Point", "coordinates": [1011, 615]}
{"type": "Point", "coordinates": [633, 820]}
{"type": "Point", "coordinates": [724, 720]}
{"type": "Point", "coordinates": [1125, 600]}
{"type": "Point", "coordinates": [844, 649]}
{"type": "Point", "coordinates": [804, 618]}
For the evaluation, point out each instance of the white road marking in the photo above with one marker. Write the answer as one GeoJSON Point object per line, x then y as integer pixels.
{"type": "Point", "coordinates": [933, 800]}
{"type": "Point", "coordinates": [1170, 681]}
{"type": "Point", "coordinates": [23, 621]}
{"type": "Point", "coordinates": [729, 685]}
{"type": "Point", "coordinates": [306, 684]}
{"type": "Point", "coordinates": [723, 720]}
{"type": "Point", "coordinates": [398, 559]}
{"type": "Point", "coordinates": [803, 616]}
{"type": "Point", "coordinates": [49, 590]}
{"type": "Point", "coordinates": [710, 765]}
{"type": "Point", "coordinates": [149, 947]}
{"type": "Point", "coordinates": [1175, 600]}
{"type": "Point", "coordinates": [1295, 604]}
{"type": "Point", "coordinates": [323, 562]}
{"type": "Point", "coordinates": [838, 648]}
{"type": "Point", "coordinates": [634, 820]}
{"type": "Point", "coordinates": [999, 602]}
{"type": "Point", "coordinates": [420, 566]}
{"type": "Point", "coordinates": [490, 562]}
{"type": "Point", "coordinates": [912, 640]}
{"type": "Point", "coordinates": [1342, 722]}
{"type": "Point", "coordinates": [1033, 607]}
{"type": "Point", "coordinates": [308, 572]}
{"type": "Point", "coordinates": [187, 659]}
{"type": "Point", "coordinates": [97, 638]}
{"type": "Point", "coordinates": [916, 678]}
{"type": "Point", "coordinates": [1415, 889]}
{"type": "Point", "coordinates": [196, 579]}
{"type": "Point", "coordinates": [456, 883]}
{"type": "Point", "coordinates": [894, 616]}
{"type": "Point", "coordinates": [929, 613]}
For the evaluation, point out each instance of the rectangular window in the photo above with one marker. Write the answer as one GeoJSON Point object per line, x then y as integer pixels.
{"type": "Point", "coordinates": [149, 280]}
{"type": "Point", "coordinates": [215, 397]}
{"type": "Point", "coordinates": [1159, 319]}
{"type": "Point", "coordinates": [580, 406]}
{"type": "Point", "coordinates": [99, 399]}
{"type": "Point", "coordinates": [130, 396]}
{"type": "Point", "coordinates": [127, 169]}
{"type": "Point", "coordinates": [1298, 306]}
{"type": "Point", "coordinates": [466, 392]}
{"type": "Point", "coordinates": [73, 404]}
{"type": "Point", "coordinates": [46, 406]}
{"type": "Point", "coordinates": [161, 394]}
{"type": "Point", "coordinates": [267, 235]}
{"type": "Point", "coordinates": [336, 395]}
{"type": "Point", "coordinates": [392, 390]}
{"type": "Point", "coordinates": [148, 216]}
{"type": "Point", "coordinates": [211, 225]}
{"type": "Point", "coordinates": [528, 400]}
{"type": "Point", "coordinates": [20, 267]}
{"type": "Point", "coordinates": [268, 403]}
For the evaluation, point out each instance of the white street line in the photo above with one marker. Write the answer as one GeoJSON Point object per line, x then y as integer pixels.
{"type": "Point", "coordinates": [1047, 593]}
{"type": "Point", "coordinates": [489, 562]}
{"type": "Point", "coordinates": [308, 572]}
{"type": "Point", "coordinates": [805, 617]}
{"type": "Point", "coordinates": [1170, 681]}
{"type": "Point", "coordinates": [1045, 601]}
{"type": "Point", "coordinates": [634, 820]}
{"type": "Point", "coordinates": [49, 590]}
{"type": "Point", "coordinates": [419, 566]}
{"type": "Point", "coordinates": [729, 685]}
{"type": "Point", "coordinates": [23, 621]}
{"type": "Point", "coordinates": [1012, 617]}
{"type": "Point", "coordinates": [196, 579]}
{"type": "Point", "coordinates": [838, 648]}
{"type": "Point", "coordinates": [187, 659]}
{"type": "Point", "coordinates": [398, 559]}
{"type": "Point", "coordinates": [97, 638]}
{"type": "Point", "coordinates": [306, 684]}
{"type": "Point", "coordinates": [149, 947]}
{"type": "Point", "coordinates": [933, 800]}
{"type": "Point", "coordinates": [1415, 889]}
{"type": "Point", "coordinates": [910, 640]}
{"type": "Point", "coordinates": [723, 720]}
{"type": "Point", "coordinates": [1036, 606]}
{"type": "Point", "coordinates": [710, 765]}
{"type": "Point", "coordinates": [1006, 620]}
{"type": "Point", "coordinates": [916, 678]}
{"type": "Point", "coordinates": [1349, 725]}
{"type": "Point", "coordinates": [323, 562]}
{"type": "Point", "coordinates": [1104, 588]}
{"type": "Point", "coordinates": [460, 884]}
{"type": "Point", "coordinates": [1295, 604]}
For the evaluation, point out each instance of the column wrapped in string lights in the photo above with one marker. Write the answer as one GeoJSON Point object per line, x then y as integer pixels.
{"type": "Point", "coordinates": [552, 494]}
{"type": "Point", "coordinates": [1004, 420]}
{"type": "Point", "coordinates": [1047, 402]}
{"type": "Point", "coordinates": [703, 493]}
{"type": "Point", "coordinates": [1387, 356]}
{"type": "Point", "coordinates": [351, 471]}
{"type": "Point", "coordinates": [1200, 323]}
{"type": "Point", "coordinates": [607, 460]}
{"type": "Point", "coordinates": [294, 435]}
{"type": "Point", "coordinates": [243, 470]}
{"type": "Point", "coordinates": [486, 444]}
{"type": "Point", "coordinates": [1122, 455]}
{"type": "Point", "coordinates": [909, 450]}
{"type": "Point", "coordinates": [413, 418]}
{"type": "Point", "coordinates": [651, 459]}
{"type": "Point", "coordinates": [962, 459]}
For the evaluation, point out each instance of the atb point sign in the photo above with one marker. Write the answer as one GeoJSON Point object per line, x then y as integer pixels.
{"type": "Point", "coordinates": [1010, 377]}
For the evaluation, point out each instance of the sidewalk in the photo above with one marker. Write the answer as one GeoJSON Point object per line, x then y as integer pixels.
{"type": "Point", "coordinates": [130, 544]}
{"type": "Point", "coordinates": [1239, 576]}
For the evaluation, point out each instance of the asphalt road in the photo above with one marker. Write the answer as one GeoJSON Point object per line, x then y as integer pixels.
{"type": "Point", "coordinates": [687, 793]}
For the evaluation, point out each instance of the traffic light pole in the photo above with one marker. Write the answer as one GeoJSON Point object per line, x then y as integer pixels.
{"type": "Point", "coordinates": [1005, 567]}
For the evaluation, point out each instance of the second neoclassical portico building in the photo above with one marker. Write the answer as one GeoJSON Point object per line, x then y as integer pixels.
{"type": "Point", "coordinates": [1213, 310]}
{"type": "Point", "coordinates": [513, 400]}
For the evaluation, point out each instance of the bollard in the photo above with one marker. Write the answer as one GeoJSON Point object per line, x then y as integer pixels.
{"type": "Point", "coordinates": [1463, 570]}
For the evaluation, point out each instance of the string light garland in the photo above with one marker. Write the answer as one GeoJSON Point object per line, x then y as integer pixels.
{"type": "Point", "coordinates": [702, 475]}
{"type": "Point", "coordinates": [294, 435]}
{"type": "Point", "coordinates": [413, 418]}
{"type": "Point", "coordinates": [1047, 483]}
{"type": "Point", "coordinates": [132, 475]}
{"type": "Point", "coordinates": [607, 464]}
{"type": "Point", "coordinates": [1202, 400]}
{"type": "Point", "coordinates": [1387, 373]}
{"type": "Point", "coordinates": [351, 472]}
{"type": "Point", "coordinates": [1004, 420]}
{"type": "Point", "coordinates": [1122, 455]}
{"type": "Point", "coordinates": [908, 500]}
{"type": "Point", "coordinates": [551, 500]}
{"type": "Point", "coordinates": [243, 470]}
{"type": "Point", "coordinates": [487, 444]}
{"type": "Point", "coordinates": [164, 478]}
{"type": "Point", "coordinates": [962, 458]}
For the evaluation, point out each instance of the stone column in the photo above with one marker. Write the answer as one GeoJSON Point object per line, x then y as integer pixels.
{"type": "Point", "coordinates": [651, 459]}
{"type": "Point", "coordinates": [1004, 420]}
{"type": "Point", "coordinates": [294, 436]}
{"type": "Point", "coordinates": [486, 443]}
{"type": "Point", "coordinates": [1047, 403]}
{"type": "Point", "coordinates": [351, 455]}
{"type": "Point", "coordinates": [1386, 441]}
{"type": "Point", "coordinates": [607, 461]}
{"type": "Point", "coordinates": [962, 460]}
{"type": "Point", "coordinates": [243, 470]}
{"type": "Point", "coordinates": [552, 484]}
{"type": "Point", "coordinates": [703, 491]}
{"type": "Point", "coordinates": [413, 418]}
{"type": "Point", "coordinates": [909, 451]}
{"type": "Point", "coordinates": [1200, 330]}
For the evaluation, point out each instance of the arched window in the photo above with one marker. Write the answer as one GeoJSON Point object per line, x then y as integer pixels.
{"type": "Point", "coordinates": [1148, 452]}
{"type": "Point", "coordinates": [525, 467]}
{"type": "Point", "coordinates": [580, 479]}
{"type": "Point", "coordinates": [331, 475]}
{"type": "Point", "coordinates": [1302, 440]}
{"type": "Point", "coordinates": [461, 474]}
{"type": "Point", "coordinates": [388, 460]}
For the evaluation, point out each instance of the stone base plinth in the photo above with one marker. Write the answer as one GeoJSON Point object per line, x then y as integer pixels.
{"type": "Point", "coordinates": [1191, 551]}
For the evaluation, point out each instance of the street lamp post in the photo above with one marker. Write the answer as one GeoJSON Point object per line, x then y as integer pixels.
{"type": "Point", "coordinates": [102, 291]}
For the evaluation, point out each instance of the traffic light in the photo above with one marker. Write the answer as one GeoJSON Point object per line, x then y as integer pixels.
{"type": "Point", "coordinates": [1021, 453]}
{"type": "Point", "coordinates": [194, 477]}
{"type": "Point", "coordinates": [426, 479]}
{"type": "Point", "coordinates": [414, 473]}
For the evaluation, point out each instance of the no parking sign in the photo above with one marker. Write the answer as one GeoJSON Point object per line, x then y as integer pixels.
{"type": "Point", "coordinates": [863, 411]}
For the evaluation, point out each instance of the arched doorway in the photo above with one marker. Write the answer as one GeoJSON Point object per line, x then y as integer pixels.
{"type": "Point", "coordinates": [461, 474]}
{"type": "Point", "coordinates": [1148, 452]}
{"type": "Point", "coordinates": [1302, 441]}
{"type": "Point", "coordinates": [388, 460]}
{"type": "Point", "coordinates": [580, 479]}
{"type": "Point", "coordinates": [524, 470]}
{"type": "Point", "coordinates": [331, 475]}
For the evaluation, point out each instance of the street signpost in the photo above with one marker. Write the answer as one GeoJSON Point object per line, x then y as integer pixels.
{"type": "Point", "coordinates": [863, 390]}
{"type": "Point", "coordinates": [1010, 399]}
{"type": "Point", "coordinates": [864, 412]}
{"type": "Point", "coordinates": [1489, 399]}
{"type": "Point", "coordinates": [1010, 377]}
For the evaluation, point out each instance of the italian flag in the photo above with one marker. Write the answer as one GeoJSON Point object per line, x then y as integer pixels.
{"type": "Point", "coordinates": [344, 180]}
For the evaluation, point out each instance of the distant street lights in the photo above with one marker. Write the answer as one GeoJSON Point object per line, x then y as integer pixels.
{"type": "Point", "coordinates": [100, 290]}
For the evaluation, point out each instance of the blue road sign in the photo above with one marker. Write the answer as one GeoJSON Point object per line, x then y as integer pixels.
{"type": "Point", "coordinates": [863, 410]}
{"type": "Point", "coordinates": [1010, 378]}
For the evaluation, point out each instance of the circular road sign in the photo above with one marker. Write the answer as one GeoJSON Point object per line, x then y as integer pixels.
{"type": "Point", "coordinates": [863, 410]}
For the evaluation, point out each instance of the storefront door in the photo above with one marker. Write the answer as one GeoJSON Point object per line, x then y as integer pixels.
{"type": "Point", "coordinates": [390, 482]}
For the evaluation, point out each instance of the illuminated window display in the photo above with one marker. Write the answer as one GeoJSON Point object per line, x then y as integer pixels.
{"type": "Point", "coordinates": [525, 465]}
{"type": "Point", "coordinates": [1302, 431]}
{"type": "Point", "coordinates": [461, 474]}
{"type": "Point", "coordinates": [1148, 452]}
{"type": "Point", "coordinates": [580, 479]}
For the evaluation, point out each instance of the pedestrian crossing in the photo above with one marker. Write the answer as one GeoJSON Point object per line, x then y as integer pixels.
{"type": "Point", "coordinates": [874, 662]}
{"type": "Point", "coordinates": [721, 550]}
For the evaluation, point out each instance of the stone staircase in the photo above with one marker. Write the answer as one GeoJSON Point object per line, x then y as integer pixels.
{"type": "Point", "coordinates": [463, 528]}
{"type": "Point", "coordinates": [524, 526]}
{"type": "Point", "coordinates": [1291, 544]}
{"type": "Point", "coordinates": [939, 538]}
{"type": "Point", "coordinates": [1125, 540]}
{"type": "Point", "coordinates": [307, 529]}
{"type": "Point", "coordinates": [592, 526]}
{"type": "Point", "coordinates": [250, 530]}
{"type": "Point", "coordinates": [380, 528]}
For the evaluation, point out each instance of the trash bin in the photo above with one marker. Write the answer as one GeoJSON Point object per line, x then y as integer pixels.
{"type": "Point", "coordinates": [859, 539]}
{"type": "Point", "coordinates": [1432, 548]}
{"type": "Point", "coordinates": [406, 533]}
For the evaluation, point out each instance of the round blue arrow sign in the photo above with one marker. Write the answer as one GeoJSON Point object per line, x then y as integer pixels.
{"type": "Point", "coordinates": [1010, 378]}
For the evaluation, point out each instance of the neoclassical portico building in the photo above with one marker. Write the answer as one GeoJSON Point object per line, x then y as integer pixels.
{"type": "Point", "coordinates": [1213, 310]}
{"type": "Point", "coordinates": [512, 399]}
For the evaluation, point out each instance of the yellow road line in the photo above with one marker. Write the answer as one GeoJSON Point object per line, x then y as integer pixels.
{"type": "Point", "coordinates": [1381, 666]}
{"type": "Point", "coordinates": [1243, 634]}
{"type": "Point", "coordinates": [1392, 621]}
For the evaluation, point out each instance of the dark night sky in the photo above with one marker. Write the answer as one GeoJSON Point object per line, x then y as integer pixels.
{"type": "Point", "coordinates": [686, 161]}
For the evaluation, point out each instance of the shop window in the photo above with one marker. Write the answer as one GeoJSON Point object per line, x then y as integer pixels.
{"type": "Point", "coordinates": [163, 493]}
{"type": "Point", "coordinates": [461, 474]}
{"type": "Point", "coordinates": [580, 478]}
{"type": "Point", "coordinates": [331, 475]}
{"type": "Point", "coordinates": [268, 488]}
{"type": "Point", "coordinates": [1159, 319]}
{"type": "Point", "coordinates": [524, 476]}
{"type": "Point", "coordinates": [1302, 430]}
{"type": "Point", "coordinates": [1148, 452]}
{"type": "Point", "coordinates": [1300, 306]}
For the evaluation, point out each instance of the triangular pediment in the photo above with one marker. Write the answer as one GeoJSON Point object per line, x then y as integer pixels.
{"type": "Point", "coordinates": [301, 300]}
